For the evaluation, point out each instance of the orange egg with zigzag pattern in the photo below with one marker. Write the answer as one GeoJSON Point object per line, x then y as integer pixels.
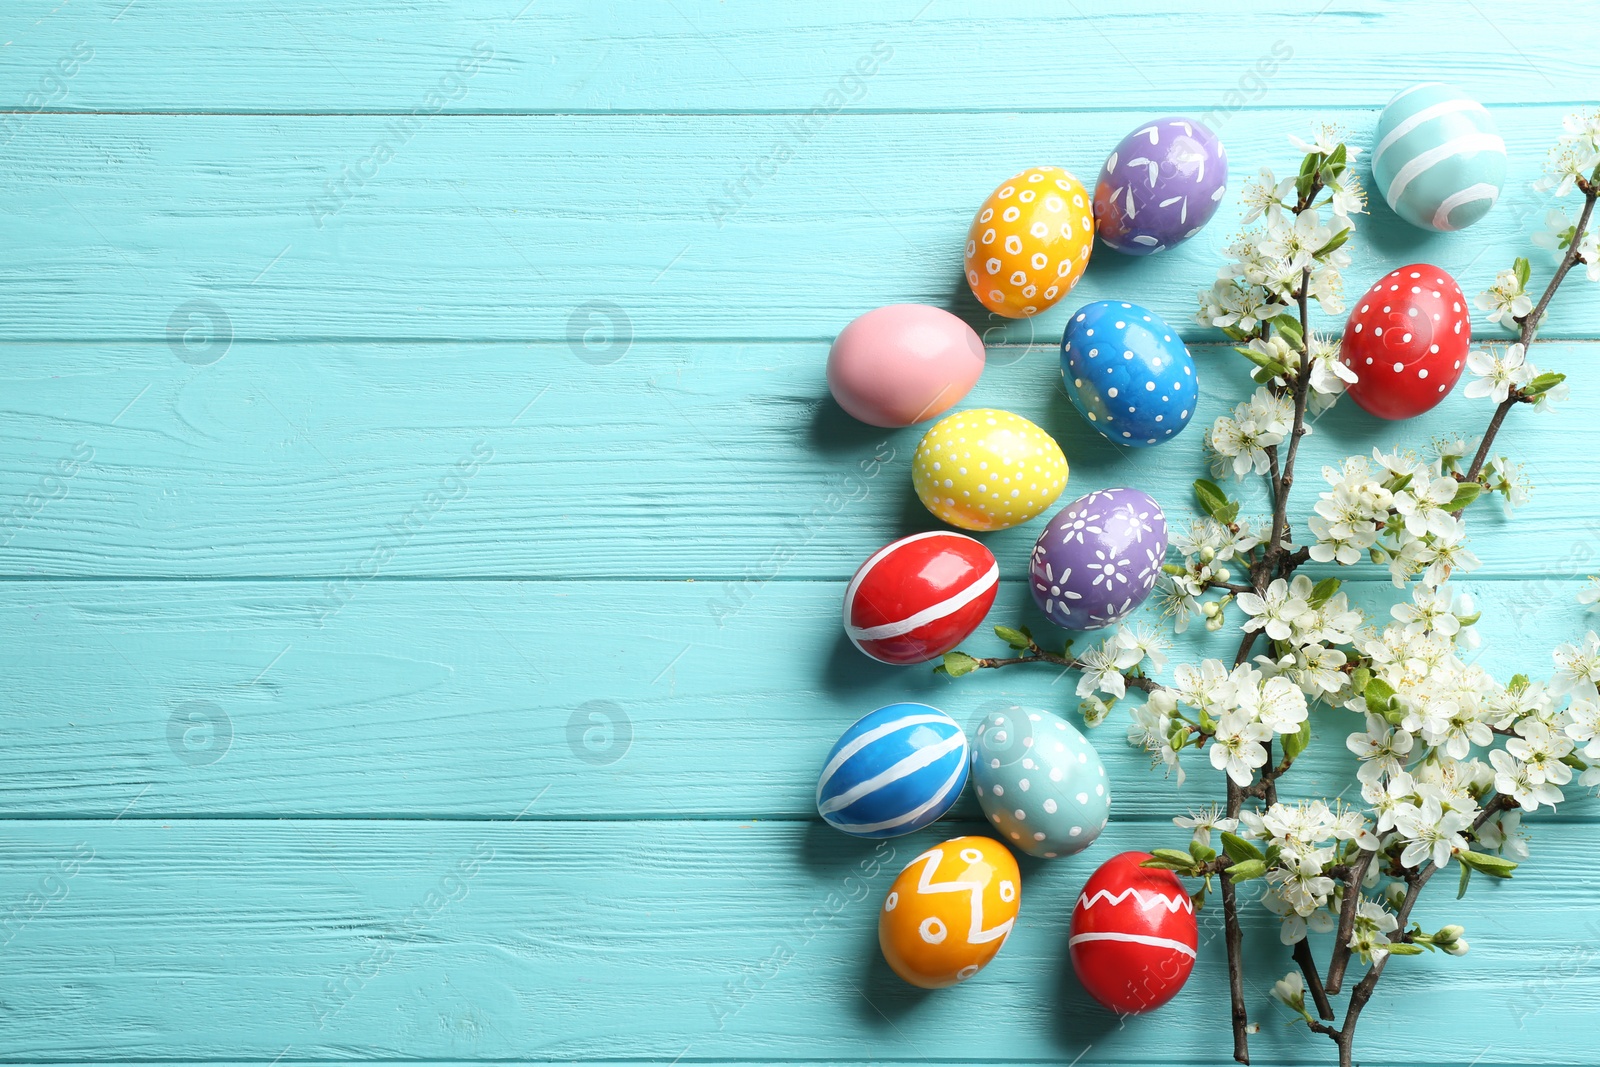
{"type": "Point", "coordinates": [1030, 242]}
{"type": "Point", "coordinates": [949, 911]}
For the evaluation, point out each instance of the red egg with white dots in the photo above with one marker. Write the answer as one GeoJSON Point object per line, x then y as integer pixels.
{"type": "Point", "coordinates": [1407, 339]}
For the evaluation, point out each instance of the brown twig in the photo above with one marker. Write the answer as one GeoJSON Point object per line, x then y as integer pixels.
{"type": "Point", "coordinates": [1035, 654]}
{"type": "Point", "coordinates": [1234, 939]}
{"type": "Point", "coordinates": [1530, 321]}
{"type": "Point", "coordinates": [1308, 967]}
{"type": "Point", "coordinates": [1347, 922]}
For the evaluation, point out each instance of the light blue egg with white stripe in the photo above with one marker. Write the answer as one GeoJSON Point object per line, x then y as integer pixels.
{"type": "Point", "coordinates": [893, 772]}
{"type": "Point", "coordinates": [1439, 162]}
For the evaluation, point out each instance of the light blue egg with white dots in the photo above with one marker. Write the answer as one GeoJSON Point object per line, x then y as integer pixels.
{"type": "Point", "coordinates": [1128, 373]}
{"type": "Point", "coordinates": [1039, 781]}
{"type": "Point", "coordinates": [1438, 161]}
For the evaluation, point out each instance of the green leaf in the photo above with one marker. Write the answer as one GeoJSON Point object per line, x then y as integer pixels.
{"type": "Point", "coordinates": [1297, 742]}
{"type": "Point", "coordinates": [1323, 591]}
{"type": "Point", "coordinates": [1179, 861]}
{"type": "Point", "coordinates": [1466, 493]}
{"type": "Point", "coordinates": [1483, 863]}
{"type": "Point", "coordinates": [1244, 872]}
{"type": "Point", "coordinates": [1210, 495]}
{"type": "Point", "coordinates": [1466, 876]}
{"type": "Point", "coordinates": [1360, 677]}
{"type": "Point", "coordinates": [1229, 513]}
{"type": "Point", "coordinates": [1202, 853]}
{"type": "Point", "coordinates": [1021, 640]}
{"type": "Point", "coordinates": [1178, 738]}
{"type": "Point", "coordinates": [1198, 897]}
{"type": "Point", "coordinates": [1239, 849]}
{"type": "Point", "coordinates": [1401, 948]}
{"type": "Point", "coordinates": [1336, 243]}
{"type": "Point", "coordinates": [1269, 366]}
{"type": "Point", "coordinates": [1524, 271]}
{"type": "Point", "coordinates": [1378, 694]}
{"type": "Point", "coordinates": [956, 664]}
{"type": "Point", "coordinates": [1543, 383]}
{"type": "Point", "coordinates": [1289, 328]}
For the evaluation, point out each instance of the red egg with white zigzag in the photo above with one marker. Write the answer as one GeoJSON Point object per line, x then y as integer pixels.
{"type": "Point", "coordinates": [1407, 339]}
{"type": "Point", "coordinates": [1133, 939]}
{"type": "Point", "coordinates": [920, 597]}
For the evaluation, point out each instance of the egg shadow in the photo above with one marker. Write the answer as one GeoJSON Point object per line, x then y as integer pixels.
{"type": "Point", "coordinates": [1079, 1020]}
{"type": "Point", "coordinates": [885, 998]}
{"type": "Point", "coordinates": [834, 431]}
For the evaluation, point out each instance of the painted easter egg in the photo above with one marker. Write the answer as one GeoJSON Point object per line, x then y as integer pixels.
{"type": "Point", "coordinates": [947, 914]}
{"type": "Point", "coordinates": [986, 469]}
{"type": "Point", "coordinates": [920, 597]}
{"type": "Point", "coordinates": [1128, 373]}
{"type": "Point", "coordinates": [1030, 241]}
{"type": "Point", "coordinates": [1098, 559]}
{"type": "Point", "coordinates": [893, 772]}
{"type": "Point", "coordinates": [904, 363]}
{"type": "Point", "coordinates": [1407, 340]}
{"type": "Point", "coordinates": [1160, 185]}
{"type": "Point", "coordinates": [1439, 161]}
{"type": "Point", "coordinates": [1039, 781]}
{"type": "Point", "coordinates": [1133, 939]}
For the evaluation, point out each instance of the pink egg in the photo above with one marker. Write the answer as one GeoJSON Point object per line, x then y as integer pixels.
{"type": "Point", "coordinates": [903, 364]}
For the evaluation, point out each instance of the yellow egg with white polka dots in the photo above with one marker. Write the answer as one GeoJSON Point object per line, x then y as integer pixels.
{"type": "Point", "coordinates": [1030, 242]}
{"type": "Point", "coordinates": [987, 469]}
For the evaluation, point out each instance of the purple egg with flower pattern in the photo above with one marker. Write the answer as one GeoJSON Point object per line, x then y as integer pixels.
{"type": "Point", "coordinates": [1160, 185]}
{"type": "Point", "coordinates": [1098, 559]}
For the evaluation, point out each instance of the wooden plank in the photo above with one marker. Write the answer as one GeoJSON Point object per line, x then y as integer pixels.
{"type": "Point", "coordinates": [469, 700]}
{"type": "Point", "coordinates": [709, 941]}
{"type": "Point", "coordinates": [727, 463]}
{"type": "Point", "coordinates": [163, 227]}
{"type": "Point", "coordinates": [689, 55]}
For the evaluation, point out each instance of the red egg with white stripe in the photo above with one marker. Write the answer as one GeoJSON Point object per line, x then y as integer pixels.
{"type": "Point", "coordinates": [1133, 939]}
{"type": "Point", "coordinates": [920, 597]}
{"type": "Point", "coordinates": [1407, 340]}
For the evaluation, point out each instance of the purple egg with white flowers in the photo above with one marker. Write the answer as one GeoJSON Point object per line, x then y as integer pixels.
{"type": "Point", "coordinates": [1098, 559]}
{"type": "Point", "coordinates": [1160, 185]}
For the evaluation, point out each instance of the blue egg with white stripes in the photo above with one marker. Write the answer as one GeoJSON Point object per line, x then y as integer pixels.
{"type": "Point", "coordinates": [1438, 160]}
{"type": "Point", "coordinates": [1128, 373]}
{"type": "Point", "coordinates": [894, 772]}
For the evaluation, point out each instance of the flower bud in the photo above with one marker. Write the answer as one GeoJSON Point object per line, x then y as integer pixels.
{"type": "Point", "coordinates": [1094, 711]}
{"type": "Point", "coordinates": [1214, 622]}
{"type": "Point", "coordinates": [1458, 947]}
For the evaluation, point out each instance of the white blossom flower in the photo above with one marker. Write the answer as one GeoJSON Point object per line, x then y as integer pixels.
{"type": "Point", "coordinates": [1577, 668]}
{"type": "Point", "coordinates": [1101, 672]}
{"type": "Point", "coordinates": [1431, 833]}
{"type": "Point", "coordinates": [1382, 749]}
{"type": "Point", "coordinates": [1142, 643]}
{"type": "Point", "coordinates": [1369, 937]}
{"type": "Point", "coordinates": [1236, 748]}
{"type": "Point", "coordinates": [1505, 300]}
{"type": "Point", "coordinates": [1291, 991]}
{"type": "Point", "coordinates": [1541, 749]}
{"type": "Point", "coordinates": [1205, 820]}
{"type": "Point", "coordinates": [1513, 778]}
{"type": "Point", "coordinates": [1498, 374]}
{"type": "Point", "coordinates": [1273, 612]}
{"type": "Point", "coordinates": [1277, 703]}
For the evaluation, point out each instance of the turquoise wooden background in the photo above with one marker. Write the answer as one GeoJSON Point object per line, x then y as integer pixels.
{"type": "Point", "coordinates": [425, 521]}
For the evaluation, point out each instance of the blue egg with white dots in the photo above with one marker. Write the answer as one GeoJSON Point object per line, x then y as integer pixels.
{"type": "Point", "coordinates": [1039, 781]}
{"type": "Point", "coordinates": [1128, 373]}
{"type": "Point", "coordinates": [893, 772]}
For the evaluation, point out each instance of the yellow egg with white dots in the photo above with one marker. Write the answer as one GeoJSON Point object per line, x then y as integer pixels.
{"type": "Point", "coordinates": [987, 469]}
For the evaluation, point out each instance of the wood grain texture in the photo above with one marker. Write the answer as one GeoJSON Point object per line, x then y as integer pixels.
{"type": "Point", "coordinates": [700, 55]}
{"type": "Point", "coordinates": [707, 940]}
{"type": "Point", "coordinates": [726, 463]}
{"type": "Point", "coordinates": [468, 699]}
{"type": "Point", "coordinates": [675, 227]}
{"type": "Point", "coordinates": [423, 522]}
